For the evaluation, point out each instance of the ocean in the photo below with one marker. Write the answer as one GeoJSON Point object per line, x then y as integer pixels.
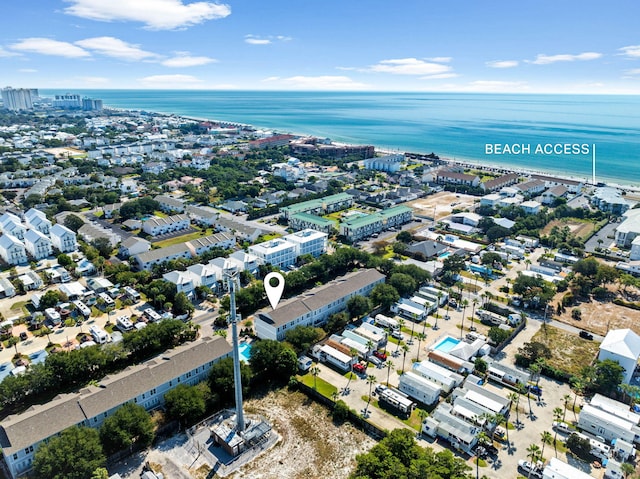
{"type": "Point", "coordinates": [453, 125]}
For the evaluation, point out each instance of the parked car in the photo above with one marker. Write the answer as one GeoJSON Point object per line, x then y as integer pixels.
{"type": "Point", "coordinates": [533, 389]}
{"type": "Point", "coordinates": [500, 434]}
{"type": "Point", "coordinates": [531, 469]}
{"type": "Point", "coordinates": [561, 427]}
{"type": "Point", "coordinates": [359, 368]}
{"type": "Point", "coordinates": [375, 361]}
{"type": "Point", "coordinates": [23, 336]}
{"type": "Point", "coordinates": [586, 335]}
{"type": "Point", "coordinates": [397, 335]}
{"type": "Point", "coordinates": [380, 355]}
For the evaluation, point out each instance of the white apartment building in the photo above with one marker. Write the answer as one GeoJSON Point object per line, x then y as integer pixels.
{"type": "Point", "coordinates": [63, 238]}
{"type": "Point", "coordinates": [38, 244]}
{"type": "Point", "coordinates": [146, 384]}
{"type": "Point", "coordinates": [309, 241]}
{"type": "Point", "coordinates": [183, 281]}
{"type": "Point", "coordinates": [158, 226]}
{"type": "Point", "coordinates": [278, 252]}
{"type": "Point", "coordinates": [283, 252]}
{"type": "Point", "coordinates": [12, 250]}
{"type": "Point", "coordinates": [146, 260]}
{"type": "Point", "coordinates": [37, 220]}
{"type": "Point", "coordinates": [315, 306]}
{"type": "Point", "coordinates": [207, 243]}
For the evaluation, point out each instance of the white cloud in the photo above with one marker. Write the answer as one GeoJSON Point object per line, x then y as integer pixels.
{"type": "Point", "coordinates": [267, 40]}
{"type": "Point", "coordinates": [6, 53]}
{"type": "Point", "coordinates": [440, 59]}
{"type": "Point", "coordinates": [409, 66]}
{"type": "Point", "coordinates": [184, 60]}
{"type": "Point", "coordinates": [542, 59]}
{"type": "Point", "coordinates": [170, 80]}
{"type": "Point", "coordinates": [632, 51]}
{"type": "Point", "coordinates": [440, 76]}
{"type": "Point", "coordinates": [115, 48]}
{"type": "Point", "coordinates": [257, 41]}
{"type": "Point", "coordinates": [155, 14]}
{"type": "Point", "coordinates": [503, 63]}
{"type": "Point", "coordinates": [46, 46]}
{"type": "Point", "coordinates": [324, 82]}
{"type": "Point", "coordinates": [28, 70]}
{"type": "Point", "coordinates": [633, 72]}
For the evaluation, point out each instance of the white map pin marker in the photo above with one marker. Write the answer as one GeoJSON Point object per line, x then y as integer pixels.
{"type": "Point", "coordinates": [274, 293]}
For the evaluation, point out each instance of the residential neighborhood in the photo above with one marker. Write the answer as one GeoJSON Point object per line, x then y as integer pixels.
{"type": "Point", "coordinates": [493, 314]}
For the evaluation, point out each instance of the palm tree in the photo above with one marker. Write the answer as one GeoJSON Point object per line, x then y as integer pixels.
{"type": "Point", "coordinates": [335, 396]}
{"type": "Point", "coordinates": [405, 350]}
{"type": "Point", "coordinates": [578, 387]}
{"type": "Point", "coordinates": [566, 398]}
{"type": "Point", "coordinates": [401, 323]}
{"type": "Point", "coordinates": [421, 337]}
{"type": "Point", "coordinates": [546, 438]}
{"type": "Point", "coordinates": [389, 366]}
{"type": "Point", "coordinates": [371, 379]}
{"type": "Point", "coordinates": [370, 346]}
{"type": "Point", "coordinates": [314, 372]}
{"type": "Point", "coordinates": [473, 310]}
{"type": "Point", "coordinates": [464, 303]}
{"type": "Point", "coordinates": [533, 452]}
{"type": "Point", "coordinates": [627, 469]}
{"type": "Point", "coordinates": [514, 397]}
{"type": "Point", "coordinates": [557, 415]}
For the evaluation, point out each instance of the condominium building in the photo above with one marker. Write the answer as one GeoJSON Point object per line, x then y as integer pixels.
{"type": "Point", "coordinates": [63, 238]}
{"type": "Point", "coordinates": [277, 252]}
{"type": "Point", "coordinates": [309, 241]}
{"type": "Point", "coordinates": [16, 99]}
{"type": "Point", "coordinates": [314, 307]}
{"type": "Point", "coordinates": [12, 250]}
{"type": "Point", "coordinates": [145, 384]}
{"type": "Point", "coordinates": [37, 244]}
{"type": "Point", "coordinates": [363, 226]}
{"type": "Point", "coordinates": [321, 206]}
{"type": "Point", "coordinates": [301, 221]}
{"type": "Point", "coordinates": [155, 226]}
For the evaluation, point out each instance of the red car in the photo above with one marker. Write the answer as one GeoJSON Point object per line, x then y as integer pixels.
{"type": "Point", "coordinates": [359, 368]}
{"type": "Point", "coordinates": [380, 355]}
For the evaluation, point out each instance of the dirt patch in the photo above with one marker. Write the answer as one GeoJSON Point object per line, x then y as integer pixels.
{"type": "Point", "coordinates": [444, 202]}
{"type": "Point", "coordinates": [580, 229]}
{"type": "Point", "coordinates": [569, 353]}
{"type": "Point", "coordinates": [311, 445]}
{"type": "Point", "coordinates": [600, 316]}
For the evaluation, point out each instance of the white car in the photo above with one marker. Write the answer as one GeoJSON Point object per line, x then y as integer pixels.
{"type": "Point", "coordinates": [530, 469]}
{"type": "Point", "coordinates": [561, 427]}
{"type": "Point", "coordinates": [397, 335]}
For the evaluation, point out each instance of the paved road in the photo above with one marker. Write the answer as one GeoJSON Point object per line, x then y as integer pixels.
{"type": "Point", "coordinates": [603, 234]}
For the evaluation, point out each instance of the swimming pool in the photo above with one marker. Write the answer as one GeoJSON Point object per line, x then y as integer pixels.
{"type": "Point", "coordinates": [444, 255]}
{"type": "Point", "coordinates": [447, 344]}
{"type": "Point", "coordinates": [245, 352]}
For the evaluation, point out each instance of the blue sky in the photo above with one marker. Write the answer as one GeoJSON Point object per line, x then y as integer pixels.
{"type": "Point", "coordinates": [547, 46]}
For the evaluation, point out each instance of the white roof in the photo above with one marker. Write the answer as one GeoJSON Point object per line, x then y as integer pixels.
{"type": "Point", "coordinates": [622, 342]}
{"type": "Point", "coordinates": [60, 230]}
{"type": "Point", "coordinates": [483, 400]}
{"type": "Point", "coordinates": [557, 469]}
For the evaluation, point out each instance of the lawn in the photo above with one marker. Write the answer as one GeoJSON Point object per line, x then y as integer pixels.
{"type": "Point", "coordinates": [323, 387]}
{"type": "Point", "coordinates": [269, 237]}
{"type": "Point", "coordinates": [568, 352]}
{"type": "Point", "coordinates": [179, 239]}
{"type": "Point", "coordinates": [160, 214]}
{"type": "Point", "coordinates": [581, 229]}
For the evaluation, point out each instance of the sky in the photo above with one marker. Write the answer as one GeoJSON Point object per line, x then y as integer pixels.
{"type": "Point", "coordinates": [536, 46]}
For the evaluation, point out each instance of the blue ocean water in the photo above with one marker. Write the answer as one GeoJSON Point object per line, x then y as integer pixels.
{"type": "Point", "coordinates": [452, 125]}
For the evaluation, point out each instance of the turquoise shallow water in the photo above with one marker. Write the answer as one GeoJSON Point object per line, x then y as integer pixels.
{"type": "Point", "coordinates": [453, 125]}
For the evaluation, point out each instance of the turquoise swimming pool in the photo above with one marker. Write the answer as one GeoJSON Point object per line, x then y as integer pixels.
{"type": "Point", "coordinates": [245, 352]}
{"type": "Point", "coordinates": [446, 345]}
{"type": "Point", "coordinates": [444, 255]}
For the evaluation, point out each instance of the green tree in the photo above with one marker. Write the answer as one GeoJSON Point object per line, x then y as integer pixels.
{"type": "Point", "coordinates": [454, 263]}
{"type": "Point", "coordinates": [384, 294]}
{"type": "Point", "coordinates": [358, 306]}
{"type": "Point", "coordinates": [627, 469]}
{"type": "Point", "coordinates": [64, 260]}
{"type": "Point", "coordinates": [185, 403]}
{"type": "Point", "coordinates": [546, 438]}
{"type": "Point", "coordinates": [182, 305]}
{"type": "Point", "coordinates": [302, 338]}
{"type": "Point", "coordinates": [340, 411]}
{"type": "Point", "coordinates": [75, 454]}
{"type": "Point", "coordinates": [498, 335]}
{"type": "Point", "coordinates": [221, 382]}
{"type": "Point", "coordinates": [129, 425]}
{"type": "Point", "coordinates": [608, 376]}
{"type": "Point", "coordinates": [103, 245]}
{"type": "Point", "coordinates": [51, 298]}
{"type": "Point", "coordinates": [100, 473]}
{"type": "Point", "coordinates": [273, 361]}
{"type": "Point", "coordinates": [404, 236]}
{"type": "Point", "coordinates": [403, 283]}
{"type": "Point", "coordinates": [73, 222]}
{"type": "Point", "coordinates": [336, 322]}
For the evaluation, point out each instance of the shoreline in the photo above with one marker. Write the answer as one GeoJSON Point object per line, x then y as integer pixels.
{"type": "Point", "coordinates": [471, 163]}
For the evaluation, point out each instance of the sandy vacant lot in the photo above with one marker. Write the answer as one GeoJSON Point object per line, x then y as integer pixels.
{"type": "Point", "coordinates": [311, 445]}
{"type": "Point", "coordinates": [600, 316]}
{"type": "Point", "coordinates": [444, 202]}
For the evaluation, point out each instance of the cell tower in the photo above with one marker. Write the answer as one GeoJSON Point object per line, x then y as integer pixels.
{"type": "Point", "coordinates": [231, 275]}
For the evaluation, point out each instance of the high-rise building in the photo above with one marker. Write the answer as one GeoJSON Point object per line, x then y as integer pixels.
{"type": "Point", "coordinates": [91, 104]}
{"type": "Point", "coordinates": [68, 100]}
{"type": "Point", "coordinates": [16, 99]}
